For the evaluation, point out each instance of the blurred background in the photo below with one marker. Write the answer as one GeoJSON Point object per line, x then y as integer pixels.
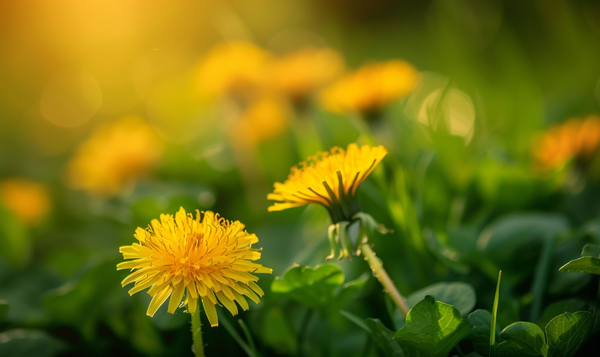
{"type": "Point", "coordinates": [113, 112]}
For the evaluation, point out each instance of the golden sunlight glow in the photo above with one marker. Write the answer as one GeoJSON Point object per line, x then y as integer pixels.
{"type": "Point", "coordinates": [206, 258]}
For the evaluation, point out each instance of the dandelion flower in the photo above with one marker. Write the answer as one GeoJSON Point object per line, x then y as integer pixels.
{"type": "Point", "coordinates": [300, 73]}
{"type": "Point", "coordinates": [575, 139]}
{"type": "Point", "coordinates": [261, 120]}
{"type": "Point", "coordinates": [367, 90]}
{"type": "Point", "coordinates": [330, 179]}
{"type": "Point", "coordinates": [233, 69]}
{"type": "Point", "coordinates": [206, 258]}
{"type": "Point", "coordinates": [27, 200]}
{"type": "Point", "coordinates": [114, 157]}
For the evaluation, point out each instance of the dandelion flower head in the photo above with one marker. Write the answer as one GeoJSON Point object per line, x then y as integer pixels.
{"type": "Point", "coordinates": [206, 258]}
{"type": "Point", "coordinates": [233, 69]}
{"type": "Point", "coordinates": [263, 119]}
{"type": "Point", "coordinates": [576, 138]}
{"type": "Point", "coordinates": [27, 200]}
{"type": "Point", "coordinates": [114, 157]}
{"type": "Point", "coordinates": [370, 88]}
{"type": "Point", "coordinates": [330, 179]}
{"type": "Point", "coordinates": [299, 73]}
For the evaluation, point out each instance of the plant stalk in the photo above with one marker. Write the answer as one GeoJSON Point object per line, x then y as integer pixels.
{"type": "Point", "coordinates": [383, 277]}
{"type": "Point", "coordinates": [197, 334]}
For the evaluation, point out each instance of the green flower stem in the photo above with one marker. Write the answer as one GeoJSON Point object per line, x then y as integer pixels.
{"type": "Point", "coordinates": [383, 277]}
{"type": "Point", "coordinates": [197, 334]}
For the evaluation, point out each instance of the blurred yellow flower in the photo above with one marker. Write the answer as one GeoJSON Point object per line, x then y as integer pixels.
{"type": "Point", "coordinates": [114, 157]}
{"type": "Point", "coordinates": [28, 201]}
{"type": "Point", "coordinates": [207, 258]}
{"type": "Point", "coordinates": [370, 88]}
{"type": "Point", "coordinates": [300, 73]}
{"type": "Point", "coordinates": [330, 179]}
{"type": "Point", "coordinates": [576, 138]}
{"type": "Point", "coordinates": [233, 69]}
{"type": "Point", "coordinates": [263, 119]}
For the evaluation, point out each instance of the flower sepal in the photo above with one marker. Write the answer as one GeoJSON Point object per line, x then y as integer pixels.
{"type": "Point", "coordinates": [347, 237]}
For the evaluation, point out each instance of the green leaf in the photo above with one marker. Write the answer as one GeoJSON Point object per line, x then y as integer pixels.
{"type": "Point", "coordinates": [515, 238]}
{"type": "Point", "coordinates": [567, 332]}
{"type": "Point", "coordinates": [591, 250]}
{"type": "Point", "coordinates": [383, 337]}
{"type": "Point", "coordinates": [582, 265]}
{"type": "Point", "coordinates": [559, 307]}
{"type": "Point", "coordinates": [432, 329]}
{"type": "Point", "coordinates": [3, 309]}
{"type": "Point", "coordinates": [522, 339]}
{"type": "Point", "coordinates": [29, 343]}
{"type": "Point", "coordinates": [481, 320]}
{"type": "Point", "coordinates": [314, 288]}
{"type": "Point", "coordinates": [459, 295]}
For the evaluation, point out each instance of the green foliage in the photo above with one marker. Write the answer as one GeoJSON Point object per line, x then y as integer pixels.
{"type": "Point", "coordinates": [588, 263]}
{"type": "Point", "coordinates": [521, 339]}
{"type": "Point", "coordinates": [15, 240]}
{"type": "Point", "coordinates": [29, 343]}
{"type": "Point", "coordinates": [481, 320]}
{"type": "Point", "coordinates": [432, 329]}
{"type": "Point", "coordinates": [460, 295]}
{"type": "Point", "coordinates": [319, 288]}
{"type": "Point", "coordinates": [3, 309]}
{"type": "Point", "coordinates": [567, 332]}
{"type": "Point", "coordinates": [383, 337]}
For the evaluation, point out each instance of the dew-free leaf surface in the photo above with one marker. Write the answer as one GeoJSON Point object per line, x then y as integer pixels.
{"type": "Point", "coordinates": [481, 320]}
{"type": "Point", "coordinates": [522, 339]}
{"type": "Point", "coordinates": [567, 332]}
{"type": "Point", "coordinates": [432, 329]}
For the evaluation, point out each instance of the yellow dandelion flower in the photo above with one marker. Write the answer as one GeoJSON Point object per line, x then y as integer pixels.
{"type": "Point", "coordinates": [27, 200]}
{"type": "Point", "coordinates": [206, 258]}
{"type": "Point", "coordinates": [575, 139]}
{"type": "Point", "coordinates": [330, 179]}
{"type": "Point", "coordinates": [114, 157]}
{"type": "Point", "coordinates": [262, 120]}
{"type": "Point", "coordinates": [370, 88]}
{"type": "Point", "coordinates": [300, 73]}
{"type": "Point", "coordinates": [234, 69]}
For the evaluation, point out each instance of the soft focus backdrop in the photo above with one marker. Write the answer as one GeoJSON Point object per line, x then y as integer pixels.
{"type": "Point", "coordinates": [113, 112]}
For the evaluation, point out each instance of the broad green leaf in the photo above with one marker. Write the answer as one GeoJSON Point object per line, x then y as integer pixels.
{"type": "Point", "coordinates": [591, 250]}
{"type": "Point", "coordinates": [560, 307]}
{"type": "Point", "coordinates": [348, 291]}
{"type": "Point", "coordinates": [582, 265]}
{"type": "Point", "coordinates": [314, 288]}
{"type": "Point", "coordinates": [29, 343]}
{"type": "Point", "coordinates": [515, 238]}
{"type": "Point", "coordinates": [459, 295]}
{"type": "Point", "coordinates": [522, 339]}
{"type": "Point", "coordinates": [567, 332]}
{"type": "Point", "coordinates": [481, 320]}
{"type": "Point", "coordinates": [383, 337]}
{"type": "Point", "coordinates": [3, 309]}
{"type": "Point", "coordinates": [432, 329]}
